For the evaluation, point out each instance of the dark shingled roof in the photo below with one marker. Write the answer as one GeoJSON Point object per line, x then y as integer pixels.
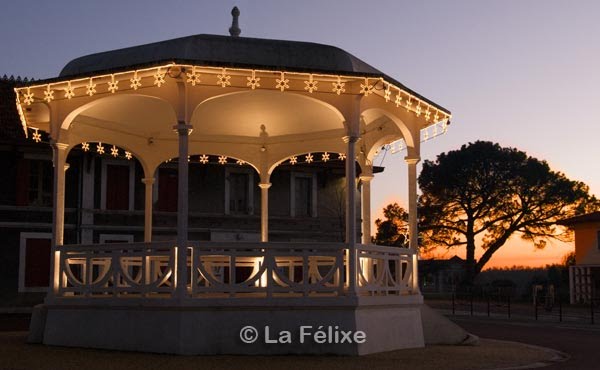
{"type": "Point", "coordinates": [10, 123]}
{"type": "Point", "coordinates": [590, 217]}
{"type": "Point", "coordinates": [226, 51]}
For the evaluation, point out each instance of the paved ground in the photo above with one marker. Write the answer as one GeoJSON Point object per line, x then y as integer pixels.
{"type": "Point", "coordinates": [580, 342]}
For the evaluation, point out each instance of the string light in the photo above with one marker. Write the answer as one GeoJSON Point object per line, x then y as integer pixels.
{"type": "Point", "coordinates": [159, 77]}
{"type": "Point", "coordinates": [113, 85]}
{"type": "Point", "coordinates": [114, 151]}
{"type": "Point", "coordinates": [136, 81]}
{"type": "Point", "coordinates": [240, 162]}
{"type": "Point", "coordinates": [69, 91]}
{"type": "Point", "coordinates": [193, 77]}
{"type": "Point", "coordinates": [366, 89]}
{"type": "Point", "coordinates": [85, 146]}
{"type": "Point", "coordinates": [222, 159]}
{"type": "Point", "coordinates": [37, 137]}
{"type": "Point", "coordinates": [398, 100]}
{"type": "Point", "coordinates": [128, 155]}
{"type": "Point", "coordinates": [253, 81]}
{"type": "Point", "coordinates": [387, 95]}
{"type": "Point", "coordinates": [293, 160]}
{"type": "Point", "coordinates": [338, 86]}
{"type": "Point", "coordinates": [223, 78]}
{"type": "Point", "coordinates": [282, 82]}
{"type": "Point", "coordinates": [48, 94]}
{"type": "Point", "coordinates": [418, 109]}
{"type": "Point", "coordinates": [203, 159]}
{"type": "Point", "coordinates": [311, 84]}
{"type": "Point", "coordinates": [99, 148]}
{"type": "Point", "coordinates": [308, 158]}
{"type": "Point", "coordinates": [408, 104]}
{"type": "Point", "coordinates": [90, 89]}
{"type": "Point", "coordinates": [341, 156]}
{"type": "Point", "coordinates": [325, 157]}
{"type": "Point", "coordinates": [28, 97]}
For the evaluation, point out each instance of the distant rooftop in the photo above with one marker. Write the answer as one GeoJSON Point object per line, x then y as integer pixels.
{"type": "Point", "coordinates": [590, 217]}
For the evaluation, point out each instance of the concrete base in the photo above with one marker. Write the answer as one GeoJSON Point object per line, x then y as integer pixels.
{"type": "Point", "coordinates": [438, 329]}
{"type": "Point", "coordinates": [210, 331]}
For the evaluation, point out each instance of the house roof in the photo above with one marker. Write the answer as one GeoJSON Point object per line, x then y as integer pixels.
{"type": "Point", "coordinates": [226, 51]}
{"type": "Point", "coordinates": [10, 123]}
{"type": "Point", "coordinates": [589, 217]}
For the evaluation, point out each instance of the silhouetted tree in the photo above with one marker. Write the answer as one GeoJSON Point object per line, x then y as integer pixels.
{"type": "Point", "coordinates": [393, 231]}
{"type": "Point", "coordinates": [486, 193]}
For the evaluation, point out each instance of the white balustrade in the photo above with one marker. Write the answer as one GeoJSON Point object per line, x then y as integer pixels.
{"type": "Point", "coordinates": [231, 270]}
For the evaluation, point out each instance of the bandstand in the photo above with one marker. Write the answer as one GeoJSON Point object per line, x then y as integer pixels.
{"type": "Point", "coordinates": [263, 103]}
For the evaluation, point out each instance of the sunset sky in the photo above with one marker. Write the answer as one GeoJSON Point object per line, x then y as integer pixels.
{"type": "Point", "coordinates": [521, 73]}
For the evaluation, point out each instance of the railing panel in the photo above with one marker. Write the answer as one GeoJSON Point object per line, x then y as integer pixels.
{"type": "Point", "coordinates": [232, 270]}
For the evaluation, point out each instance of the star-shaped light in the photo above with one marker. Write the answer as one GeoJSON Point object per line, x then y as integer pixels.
{"type": "Point", "coordinates": [128, 155]}
{"type": "Point", "coordinates": [408, 104]}
{"type": "Point", "coordinates": [427, 114]}
{"type": "Point", "coordinates": [436, 118]}
{"type": "Point", "coordinates": [311, 85]}
{"type": "Point", "coordinates": [341, 156]}
{"type": "Point", "coordinates": [193, 77]}
{"type": "Point", "coordinates": [366, 88]}
{"type": "Point", "coordinates": [338, 86]}
{"type": "Point", "coordinates": [28, 97]}
{"type": "Point", "coordinates": [308, 158]}
{"type": "Point", "coordinates": [99, 148]}
{"type": "Point", "coordinates": [222, 159]}
{"type": "Point", "coordinates": [418, 109]}
{"type": "Point", "coordinates": [48, 94]}
{"type": "Point", "coordinates": [69, 91]}
{"type": "Point", "coordinates": [114, 151]}
{"type": "Point", "coordinates": [426, 135]}
{"type": "Point", "coordinates": [293, 160]}
{"type": "Point", "coordinates": [398, 100]}
{"type": "Point", "coordinates": [90, 89]}
{"type": "Point", "coordinates": [325, 157]}
{"type": "Point", "coordinates": [113, 85]}
{"type": "Point", "coordinates": [85, 146]}
{"type": "Point", "coordinates": [253, 81]}
{"type": "Point", "coordinates": [37, 137]}
{"type": "Point", "coordinates": [282, 82]}
{"type": "Point", "coordinates": [223, 78]}
{"type": "Point", "coordinates": [387, 94]}
{"type": "Point", "coordinates": [240, 162]}
{"type": "Point", "coordinates": [159, 77]}
{"type": "Point", "coordinates": [136, 81]}
{"type": "Point", "coordinates": [203, 159]}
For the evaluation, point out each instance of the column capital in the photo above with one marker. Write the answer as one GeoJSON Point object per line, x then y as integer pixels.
{"type": "Point", "coordinates": [67, 166]}
{"type": "Point", "coordinates": [148, 180]}
{"type": "Point", "coordinates": [412, 160]}
{"type": "Point", "coordinates": [183, 128]}
{"type": "Point", "coordinates": [264, 185]}
{"type": "Point", "coordinates": [350, 139]}
{"type": "Point", "coordinates": [59, 146]}
{"type": "Point", "coordinates": [366, 177]}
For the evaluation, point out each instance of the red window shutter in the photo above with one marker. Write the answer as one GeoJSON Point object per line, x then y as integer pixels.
{"type": "Point", "coordinates": [37, 263]}
{"type": "Point", "coordinates": [117, 187]}
{"type": "Point", "coordinates": [22, 183]}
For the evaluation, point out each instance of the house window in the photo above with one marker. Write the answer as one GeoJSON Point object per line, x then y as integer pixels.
{"type": "Point", "coordinates": [40, 182]}
{"type": "Point", "coordinates": [117, 191]}
{"type": "Point", "coordinates": [238, 191]}
{"type": "Point", "coordinates": [34, 181]}
{"type": "Point", "coordinates": [34, 262]}
{"type": "Point", "coordinates": [303, 195]}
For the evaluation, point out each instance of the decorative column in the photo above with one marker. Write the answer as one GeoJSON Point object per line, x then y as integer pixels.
{"type": "Point", "coordinates": [365, 180]}
{"type": "Point", "coordinates": [264, 211]}
{"type": "Point", "coordinates": [59, 159]}
{"type": "Point", "coordinates": [149, 182]}
{"type": "Point", "coordinates": [183, 130]}
{"type": "Point", "coordinates": [351, 212]}
{"type": "Point", "coordinates": [413, 230]}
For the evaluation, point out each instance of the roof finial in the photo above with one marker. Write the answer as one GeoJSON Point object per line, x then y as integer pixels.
{"type": "Point", "coordinates": [235, 30]}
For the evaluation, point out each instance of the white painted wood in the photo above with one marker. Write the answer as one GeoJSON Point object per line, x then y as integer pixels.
{"type": "Point", "coordinates": [22, 255]}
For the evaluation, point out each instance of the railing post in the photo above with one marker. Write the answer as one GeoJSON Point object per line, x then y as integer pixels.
{"type": "Point", "coordinates": [592, 310]}
{"type": "Point", "coordinates": [453, 303]}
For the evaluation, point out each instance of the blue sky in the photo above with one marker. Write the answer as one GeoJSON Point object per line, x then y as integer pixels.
{"type": "Point", "coordinates": [522, 73]}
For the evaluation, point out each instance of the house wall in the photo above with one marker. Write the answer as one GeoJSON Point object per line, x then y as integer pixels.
{"type": "Point", "coordinates": [586, 244]}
